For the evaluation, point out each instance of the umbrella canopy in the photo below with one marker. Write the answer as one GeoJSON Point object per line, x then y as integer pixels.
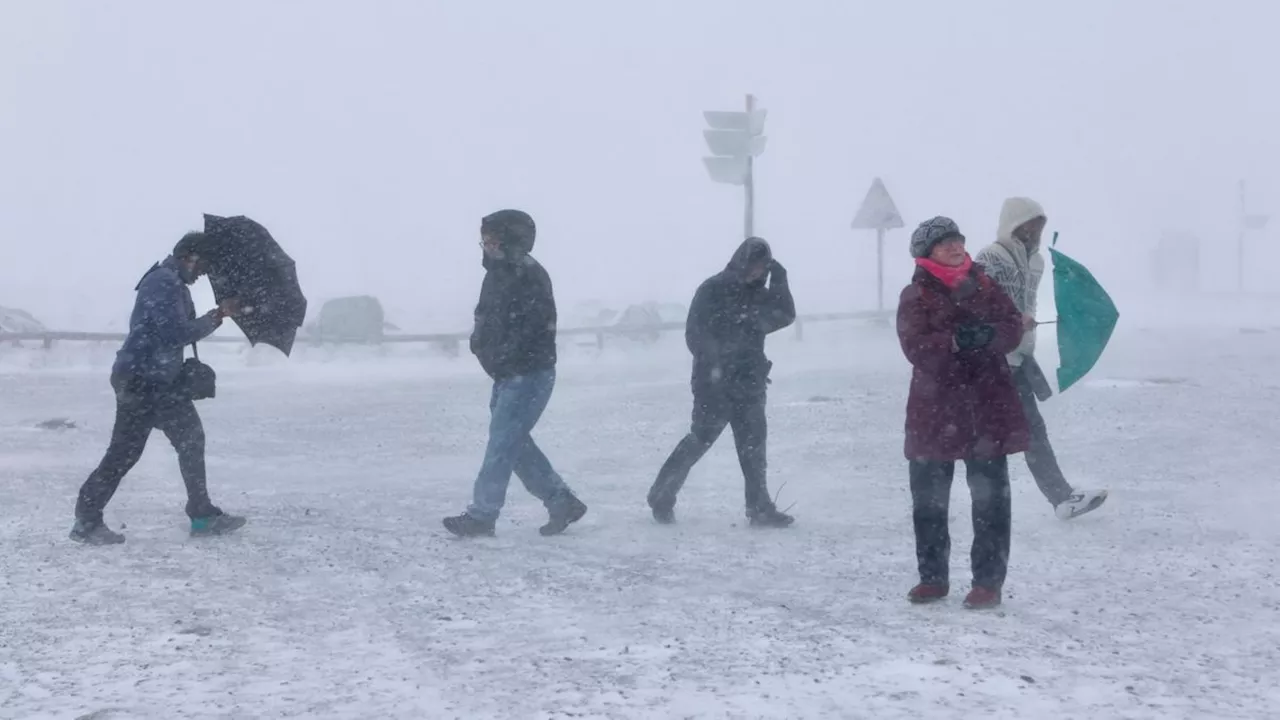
{"type": "Point", "coordinates": [1086, 317]}
{"type": "Point", "coordinates": [245, 262]}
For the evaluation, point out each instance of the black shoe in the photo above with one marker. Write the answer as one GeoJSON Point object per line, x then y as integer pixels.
{"type": "Point", "coordinates": [95, 534]}
{"type": "Point", "coordinates": [219, 524]}
{"type": "Point", "coordinates": [664, 515]}
{"type": "Point", "coordinates": [769, 518]}
{"type": "Point", "coordinates": [466, 526]}
{"type": "Point", "coordinates": [566, 514]}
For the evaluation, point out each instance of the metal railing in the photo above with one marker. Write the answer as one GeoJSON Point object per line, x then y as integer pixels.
{"type": "Point", "coordinates": [446, 340]}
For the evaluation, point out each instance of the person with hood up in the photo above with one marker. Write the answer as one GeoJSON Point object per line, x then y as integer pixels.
{"type": "Point", "coordinates": [955, 325]}
{"type": "Point", "coordinates": [1014, 261]}
{"type": "Point", "coordinates": [515, 341]}
{"type": "Point", "coordinates": [150, 393]}
{"type": "Point", "coordinates": [729, 318]}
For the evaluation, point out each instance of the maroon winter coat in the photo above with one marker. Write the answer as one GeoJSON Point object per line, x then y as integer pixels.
{"type": "Point", "coordinates": [962, 404]}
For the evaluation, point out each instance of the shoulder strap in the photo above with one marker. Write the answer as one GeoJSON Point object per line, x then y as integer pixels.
{"type": "Point", "coordinates": [195, 348]}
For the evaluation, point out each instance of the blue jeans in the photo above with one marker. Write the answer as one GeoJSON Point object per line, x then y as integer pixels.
{"type": "Point", "coordinates": [515, 407]}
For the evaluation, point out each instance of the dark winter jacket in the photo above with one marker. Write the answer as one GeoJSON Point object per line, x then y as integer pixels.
{"type": "Point", "coordinates": [963, 403]}
{"type": "Point", "coordinates": [729, 319]}
{"type": "Point", "coordinates": [163, 323]}
{"type": "Point", "coordinates": [515, 319]}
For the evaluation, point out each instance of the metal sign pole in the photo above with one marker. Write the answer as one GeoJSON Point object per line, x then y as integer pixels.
{"type": "Point", "coordinates": [749, 185]}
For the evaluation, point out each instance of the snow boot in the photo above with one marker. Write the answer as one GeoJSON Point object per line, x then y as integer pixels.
{"type": "Point", "coordinates": [95, 534]}
{"type": "Point", "coordinates": [564, 515]}
{"type": "Point", "coordinates": [219, 524]}
{"type": "Point", "coordinates": [769, 518]}
{"type": "Point", "coordinates": [928, 592]}
{"type": "Point", "coordinates": [982, 598]}
{"type": "Point", "coordinates": [1080, 502]}
{"type": "Point", "coordinates": [465, 525]}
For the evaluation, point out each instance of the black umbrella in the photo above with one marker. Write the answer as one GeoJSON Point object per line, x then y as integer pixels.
{"type": "Point", "coordinates": [246, 263]}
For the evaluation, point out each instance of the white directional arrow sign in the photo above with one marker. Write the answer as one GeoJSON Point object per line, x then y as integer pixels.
{"type": "Point", "coordinates": [752, 122]}
{"type": "Point", "coordinates": [727, 170]}
{"type": "Point", "coordinates": [734, 143]}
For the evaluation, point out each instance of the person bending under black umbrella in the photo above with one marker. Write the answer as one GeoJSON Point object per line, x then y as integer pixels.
{"type": "Point", "coordinates": [152, 392]}
{"type": "Point", "coordinates": [729, 317]}
{"type": "Point", "coordinates": [515, 340]}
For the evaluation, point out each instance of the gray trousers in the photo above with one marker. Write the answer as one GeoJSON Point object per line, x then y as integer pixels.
{"type": "Point", "coordinates": [1040, 457]}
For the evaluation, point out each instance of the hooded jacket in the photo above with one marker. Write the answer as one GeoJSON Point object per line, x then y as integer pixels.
{"type": "Point", "coordinates": [163, 323]}
{"type": "Point", "coordinates": [730, 318]}
{"type": "Point", "coordinates": [515, 319]}
{"type": "Point", "coordinates": [1015, 268]}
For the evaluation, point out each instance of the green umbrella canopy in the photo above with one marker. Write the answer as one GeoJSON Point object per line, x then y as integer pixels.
{"type": "Point", "coordinates": [1086, 317]}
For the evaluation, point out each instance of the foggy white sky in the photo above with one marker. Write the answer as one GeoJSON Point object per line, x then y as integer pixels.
{"type": "Point", "coordinates": [370, 137]}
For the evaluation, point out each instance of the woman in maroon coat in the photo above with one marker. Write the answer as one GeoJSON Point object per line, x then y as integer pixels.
{"type": "Point", "coordinates": [956, 325]}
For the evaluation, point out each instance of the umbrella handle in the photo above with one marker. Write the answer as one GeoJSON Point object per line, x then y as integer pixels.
{"type": "Point", "coordinates": [1047, 322]}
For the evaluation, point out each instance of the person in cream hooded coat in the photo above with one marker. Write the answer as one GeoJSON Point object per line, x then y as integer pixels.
{"type": "Point", "coordinates": [1014, 261]}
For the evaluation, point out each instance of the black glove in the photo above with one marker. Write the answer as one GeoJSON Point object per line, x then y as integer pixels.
{"type": "Point", "coordinates": [777, 271]}
{"type": "Point", "coordinates": [973, 337]}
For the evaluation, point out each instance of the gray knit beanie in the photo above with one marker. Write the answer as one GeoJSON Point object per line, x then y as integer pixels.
{"type": "Point", "coordinates": [930, 233]}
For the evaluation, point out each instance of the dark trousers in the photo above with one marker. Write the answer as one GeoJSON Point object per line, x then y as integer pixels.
{"type": "Point", "coordinates": [139, 409]}
{"type": "Point", "coordinates": [931, 499]}
{"type": "Point", "coordinates": [711, 413]}
{"type": "Point", "coordinates": [1041, 459]}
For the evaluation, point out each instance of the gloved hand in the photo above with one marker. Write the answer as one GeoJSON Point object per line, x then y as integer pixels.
{"type": "Point", "coordinates": [973, 337]}
{"type": "Point", "coordinates": [777, 273]}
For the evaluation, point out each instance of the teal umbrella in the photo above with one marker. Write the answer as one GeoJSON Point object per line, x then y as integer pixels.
{"type": "Point", "coordinates": [1086, 317]}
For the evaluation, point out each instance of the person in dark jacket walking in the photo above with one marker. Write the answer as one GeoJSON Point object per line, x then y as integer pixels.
{"type": "Point", "coordinates": [515, 341]}
{"type": "Point", "coordinates": [147, 379]}
{"type": "Point", "coordinates": [729, 318]}
{"type": "Point", "coordinates": [955, 326]}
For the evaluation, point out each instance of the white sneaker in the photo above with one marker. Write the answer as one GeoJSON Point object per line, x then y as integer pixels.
{"type": "Point", "coordinates": [1080, 502]}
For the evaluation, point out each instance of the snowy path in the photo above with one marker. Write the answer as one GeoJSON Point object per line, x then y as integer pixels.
{"type": "Point", "coordinates": [344, 598]}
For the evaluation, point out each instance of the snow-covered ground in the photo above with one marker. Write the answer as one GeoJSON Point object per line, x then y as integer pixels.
{"type": "Point", "coordinates": [345, 599]}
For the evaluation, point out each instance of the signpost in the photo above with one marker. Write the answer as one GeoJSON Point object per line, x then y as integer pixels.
{"type": "Point", "coordinates": [735, 139]}
{"type": "Point", "coordinates": [878, 212]}
{"type": "Point", "coordinates": [1247, 222]}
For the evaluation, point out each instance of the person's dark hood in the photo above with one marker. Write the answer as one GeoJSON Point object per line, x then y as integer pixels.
{"type": "Point", "coordinates": [172, 263]}
{"type": "Point", "coordinates": [515, 230]}
{"type": "Point", "coordinates": [753, 250]}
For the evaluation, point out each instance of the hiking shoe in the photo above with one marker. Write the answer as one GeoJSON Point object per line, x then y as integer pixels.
{"type": "Point", "coordinates": [769, 518]}
{"type": "Point", "coordinates": [664, 515]}
{"type": "Point", "coordinates": [928, 592]}
{"type": "Point", "coordinates": [564, 515]}
{"type": "Point", "coordinates": [1080, 502]}
{"type": "Point", "coordinates": [982, 598]}
{"type": "Point", "coordinates": [220, 524]}
{"type": "Point", "coordinates": [95, 534]}
{"type": "Point", "coordinates": [465, 525]}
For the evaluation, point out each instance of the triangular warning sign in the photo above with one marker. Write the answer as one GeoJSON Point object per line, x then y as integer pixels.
{"type": "Point", "coordinates": [878, 211]}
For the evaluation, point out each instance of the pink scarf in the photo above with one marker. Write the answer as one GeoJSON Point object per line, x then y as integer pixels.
{"type": "Point", "coordinates": [950, 276]}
